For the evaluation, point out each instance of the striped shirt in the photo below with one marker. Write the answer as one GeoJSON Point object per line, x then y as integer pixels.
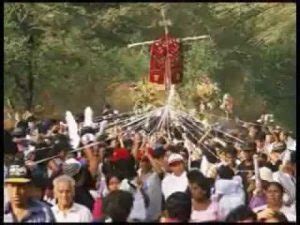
{"type": "Point", "coordinates": [38, 212]}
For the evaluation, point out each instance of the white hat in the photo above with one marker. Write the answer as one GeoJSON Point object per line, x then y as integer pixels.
{"type": "Point", "coordinates": [174, 157]}
{"type": "Point", "coordinates": [71, 167]}
{"type": "Point", "coordinates": [265, 174]}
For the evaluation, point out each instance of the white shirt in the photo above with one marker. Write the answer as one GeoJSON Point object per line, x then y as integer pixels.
{"type": "Point", "coordinates": [172, 184]}
{"type": "Point", "coordinates": [77, 213]}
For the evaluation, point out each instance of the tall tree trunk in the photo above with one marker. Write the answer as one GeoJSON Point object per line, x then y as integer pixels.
{"type": "Point", "coordinates": [30, 76]}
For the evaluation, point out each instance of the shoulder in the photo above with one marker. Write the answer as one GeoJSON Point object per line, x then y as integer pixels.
{"type": "Point", "coordinates": [38, 204]}
{"type": "Point", "coordinates": [81, 208]}
{"type": "Point", "coordinates": [214, 204]}
{"type": "Point", "coordinates": [54, 208]}
{"type": "Point", "coordinates": [167, 178]}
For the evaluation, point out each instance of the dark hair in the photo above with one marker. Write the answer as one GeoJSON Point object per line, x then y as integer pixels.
{"type": "Point", "coordinates": [107, 106]}
{"type": "Point", "coordinates": [162, 141]}
{"type": "Point", "coordinates": [79, 117]}
{"type": "Point", "coordinates": [240, 213]}
{"type": "Point", "coordinates": [117, 205]}
{"type": "Point", "coordinates": [22, 124]}
{"type": "Point", "coordinates": [128, 143]}
{"type": "Point", "coordinates": [196, 177]}
{"type": "Point", "coordinates": [275, 135]}
{"type": "Point", "coordinates": [210, 154]}
{"type": "Point", "coordinates": [159, 152]}
{"type": "Point", "coordinates": [10, 147]}
{"type": "Point", "coordinates": [277, 184]}
{"type": "Point", "coordinates": [110, 176]}
{"type": "Point", "coordinates": [176, 133]}
{"type": "Point", "coordinates": [179, 206]}
{"type": "Point", "coordinates": [31, 119]}
{"type": "Point", "coordinates": [263, 155]}
{"type": "Point", "coordinates": [280, 217]}
{"type": "Point", "coordinates": [195, 164]}
{"type": "Point", "coordinates": [125, 168]}
{"type": "Point", "coordinates": [225, 172]}
{"type": "Point", "coordinates": [260, 136]}
{"type": "Point", "coordinates": [231, 150]}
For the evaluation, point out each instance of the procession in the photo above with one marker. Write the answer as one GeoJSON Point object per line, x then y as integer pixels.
{"type": "Point", "coordinates": [161, 161]}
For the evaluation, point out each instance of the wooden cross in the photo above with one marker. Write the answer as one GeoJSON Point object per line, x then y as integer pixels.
{"type": "Point", "coordinates": [165, 23]}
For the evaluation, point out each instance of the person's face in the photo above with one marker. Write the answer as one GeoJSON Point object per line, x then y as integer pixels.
{"type": "Point", "coordinates": [282, 136]}
{"type": "Point", "coordinates": [259, 144]}
{"type": "Point", "coordinates": [145, 165]}
{"type": "Point", "coordinates": [275, 136]}
{"type": "Point", "coordinates": [197, 192]}
{"type": "Point", "coordinates": [269, 138]}
{"type": "Point", "coordinates": [114, 184]}
{"type": "Point", "coordinates": [230, 159]}
{"type": "Point", "coordinates": [64, 194]}
{"type": "Point", "coordinates": [275, 156]}
{"type": "Point", "coordinates": [274, 195]}
{"type": "Point", "coordinates": [177, 167]}
{"type": "Point", "coordinates": [138, 137]}
{"type": "Point", "coordinates": [31, 156]}
{"type": "Point", "coordinates": [261, 161]}
{"type": "Point", "coordinates": [63, 154]}
{"type": "Point", "coordinates": [17, 193]}
{"type": "Point", "coordinates": [96, 151]}
{"type": "Point", "coordinates": [222, 156]}
{"type": "Point", "coordinates": [248, 154]}
{"type": "Point", "coordinates": [252, 131]}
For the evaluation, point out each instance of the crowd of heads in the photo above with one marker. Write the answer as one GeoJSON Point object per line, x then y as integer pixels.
{"type": "Point", "coordinates": [134, 177]}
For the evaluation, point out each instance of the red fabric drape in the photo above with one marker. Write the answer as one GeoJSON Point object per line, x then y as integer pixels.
{"type": "Point", "coordinates": [158, 51]}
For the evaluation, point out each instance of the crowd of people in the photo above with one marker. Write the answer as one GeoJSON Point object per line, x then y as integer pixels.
{"type": "Point", "coordinates": [133, 178]}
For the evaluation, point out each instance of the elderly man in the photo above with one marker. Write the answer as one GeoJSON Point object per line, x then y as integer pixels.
{"type": "Point", "coordinates": [66, 210]}
{"type": "Point", "coordinates": [21, 207]}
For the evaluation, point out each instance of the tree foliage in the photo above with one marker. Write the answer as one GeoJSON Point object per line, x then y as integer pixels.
{"type": "Point", "coordinates": [74, 51]}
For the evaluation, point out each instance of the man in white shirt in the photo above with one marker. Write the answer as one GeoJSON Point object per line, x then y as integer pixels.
{"type": "Point", "coordinates": [66, 210]}
{"type": "Point", "coordinates": [177, 180]}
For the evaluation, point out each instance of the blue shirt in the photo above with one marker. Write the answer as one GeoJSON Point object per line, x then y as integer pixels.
{"type": "Point", "coordinates": [38, 212]}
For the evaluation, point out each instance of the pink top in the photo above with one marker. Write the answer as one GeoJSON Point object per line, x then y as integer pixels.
{"type": "Point", "coordinates": [97, 209]}
{"type": "Point", "coordinates": [209, 214]}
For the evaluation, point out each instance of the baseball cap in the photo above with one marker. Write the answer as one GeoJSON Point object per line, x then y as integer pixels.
{"type": "Point", "coordinates": [71, 167]}
{"type": "Point", "coordinates": [174, 157]}
{"type": "Point", "coordinates": [17, 173]}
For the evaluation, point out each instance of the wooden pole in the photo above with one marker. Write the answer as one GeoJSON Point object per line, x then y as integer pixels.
{"type": "Point", "coordinates": [178, 39]}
